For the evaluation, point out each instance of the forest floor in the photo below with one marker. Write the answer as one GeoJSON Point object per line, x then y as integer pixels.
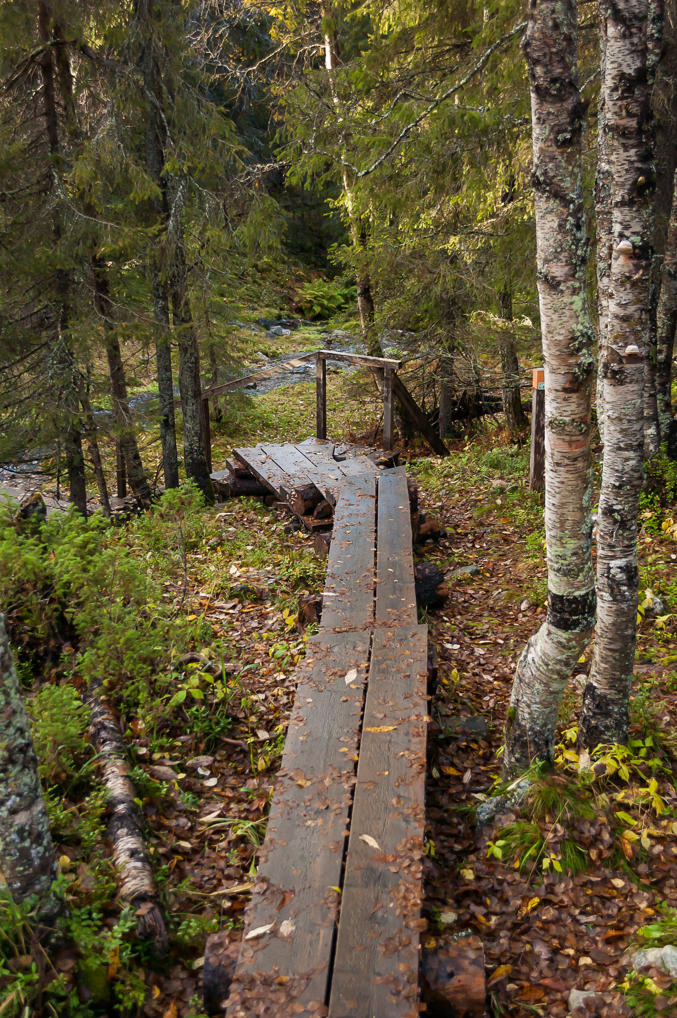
{"type": "Point", "coordinates": [556, 889]}
{"type": "Point", "coordinates": [584, 863]}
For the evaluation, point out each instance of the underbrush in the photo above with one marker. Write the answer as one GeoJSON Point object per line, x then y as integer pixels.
{"type": "Point", "coordinates": [182, 612]}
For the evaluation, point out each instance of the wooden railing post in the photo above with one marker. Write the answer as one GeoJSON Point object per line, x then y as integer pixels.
{"type": "Point", "coordinates": [387, 408]}
{"type": "Point", "coordinates": [537, 457]}
{"type": "Point", "coordinates": [321, 395]}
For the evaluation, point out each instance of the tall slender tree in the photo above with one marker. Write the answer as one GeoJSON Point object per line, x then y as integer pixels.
{"type": "Point", "coordinates": [562, 250]}
{"type": "Point", "coordinates": [66, 391]}
{"type": "Point", "coordinates": [169, 267]}
{"type": "Point", "coordinates": [631, 32]}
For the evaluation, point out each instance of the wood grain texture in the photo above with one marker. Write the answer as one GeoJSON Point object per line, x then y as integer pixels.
{"type": "Point", "coordinates": [348, 600]}
{"type": "Point", "coordinates": [395, 593]}
{"type": "Point", "coordinates": [267, 471]}
{"type": "Point", "coordinates": [375, 971]}
{"type": "Point", "coordinates": [300, 871]}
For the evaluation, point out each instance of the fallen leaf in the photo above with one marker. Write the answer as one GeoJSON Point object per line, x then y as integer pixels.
{"type": "Point", "coordinates": [287, 928]}
{"type": "Point", "coordinates": [500, 973]}
{"type": "Point", "coordinates": [381, 728]}
{"type": "Point", "coordinates": [351, 676]}
{"type": "Point", "coordinates": [260, 931]}
{"type": "Point", "coordinates": [368, 840]}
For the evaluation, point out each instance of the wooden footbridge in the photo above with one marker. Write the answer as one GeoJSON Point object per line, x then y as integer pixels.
{"type": "Point", "coordinates": [333, 924]}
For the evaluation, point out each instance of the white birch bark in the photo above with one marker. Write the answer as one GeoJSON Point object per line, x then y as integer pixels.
{"type": "Point", "coordinates": [135, 875]}
{"type": "Point", "coordinates": [27, 856]}
{"type": "Point", "coordinates": [603, 224]}
{"type": "Point", "coordinates": [666, 321]}
{"type": "Point", "coordinates": [562, 250]}
{"type": "Point", "coordinates": [654, 37]}
{"type": "Point", "coordinates": [627, 101]}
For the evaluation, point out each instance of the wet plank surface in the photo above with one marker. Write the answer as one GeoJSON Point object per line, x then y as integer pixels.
{"type": "Point", "coordinates": [375, 971]}
{"type": "Point", "coordinates": [296, 892]}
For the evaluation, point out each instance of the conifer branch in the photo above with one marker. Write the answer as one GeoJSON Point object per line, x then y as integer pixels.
{"type": "Point", "coordinates": [438, 100]}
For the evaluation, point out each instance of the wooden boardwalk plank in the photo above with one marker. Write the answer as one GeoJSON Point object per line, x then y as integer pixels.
{"type": "Point", "coordinates": [267, 470]}
{"type": "Point", "coordinates": [348, 599]}
{"type": "Point", "coordinates": [331, 473]}
{"type": "Point", "coordinates": [395, 593]}
{"type": "Point", "coordinates": [285, 970]}
{"type": "Point", "coordinates": [375, 972]}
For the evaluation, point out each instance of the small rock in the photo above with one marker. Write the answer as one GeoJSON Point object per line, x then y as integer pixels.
{"type": "Point", "coordinates": [448, 918]}
{"type": "Point", "coordinates": [656, 608]}
{"type": "Point", "coordinates": [472, 570]}
{"type": "Point", "coordinates": [524, 605]}
{"type": "Point", "coordinates": [663, 958]}
{"type": "Point", "coordinates": [579, 998]}
{"type": "Point", "coordinates": [488, 811]}
{"type": "Point", "coordinates": [499, 483]}
{"type": "Point", "coordinates": [277, 330]}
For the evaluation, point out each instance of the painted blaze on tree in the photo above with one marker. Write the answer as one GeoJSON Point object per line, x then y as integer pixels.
{"type": "Point", "coordinates": [562, 254]}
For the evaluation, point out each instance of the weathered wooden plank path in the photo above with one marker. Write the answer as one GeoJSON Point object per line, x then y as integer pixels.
{"type": "Point", "coordinates": [333, 924]}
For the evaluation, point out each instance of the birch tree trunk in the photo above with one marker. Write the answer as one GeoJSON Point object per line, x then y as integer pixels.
{"type": "Point", "coordinates": [603, 231]}
{"type": "Point", "coordinates": [627, 99]}
{"type": "Point", "coordinates": [547, 661]}
{"type": "Point", "coordinates": [654, 37]}
{"type": "Point", "coordinates": [666, 322]}
{"type": "Point", "coordinates": [27, 857]}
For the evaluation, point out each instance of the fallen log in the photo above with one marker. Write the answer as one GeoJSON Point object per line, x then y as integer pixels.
{"type": "Point", "coordinates": [324, 510]}
{"type": "Point", "coordinates": [321, 542]}
{"type": "Point", "coordinates": [136, 884]}
{"type": "Point", "coordinates": [304, 500]}
{"type": "Point", "coordinates": [228, 485]}
{"type": "Point", "coordinates": [453, 980]}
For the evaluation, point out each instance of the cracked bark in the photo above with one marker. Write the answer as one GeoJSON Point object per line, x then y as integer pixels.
{"type": "Point", "coordinates": [630, 43]}
{"type": "Point", "coordinates": [562, 247]}
{"type": "Point", "coordinates": [27, 856]}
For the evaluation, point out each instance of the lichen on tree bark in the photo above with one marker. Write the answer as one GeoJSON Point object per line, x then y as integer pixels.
{"type": "Point", "coordinates": [631, 43]}
{"type": "Point", "coordinates": [562, 250]}
{"type": "Point", "coordinates": [27, 857]}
